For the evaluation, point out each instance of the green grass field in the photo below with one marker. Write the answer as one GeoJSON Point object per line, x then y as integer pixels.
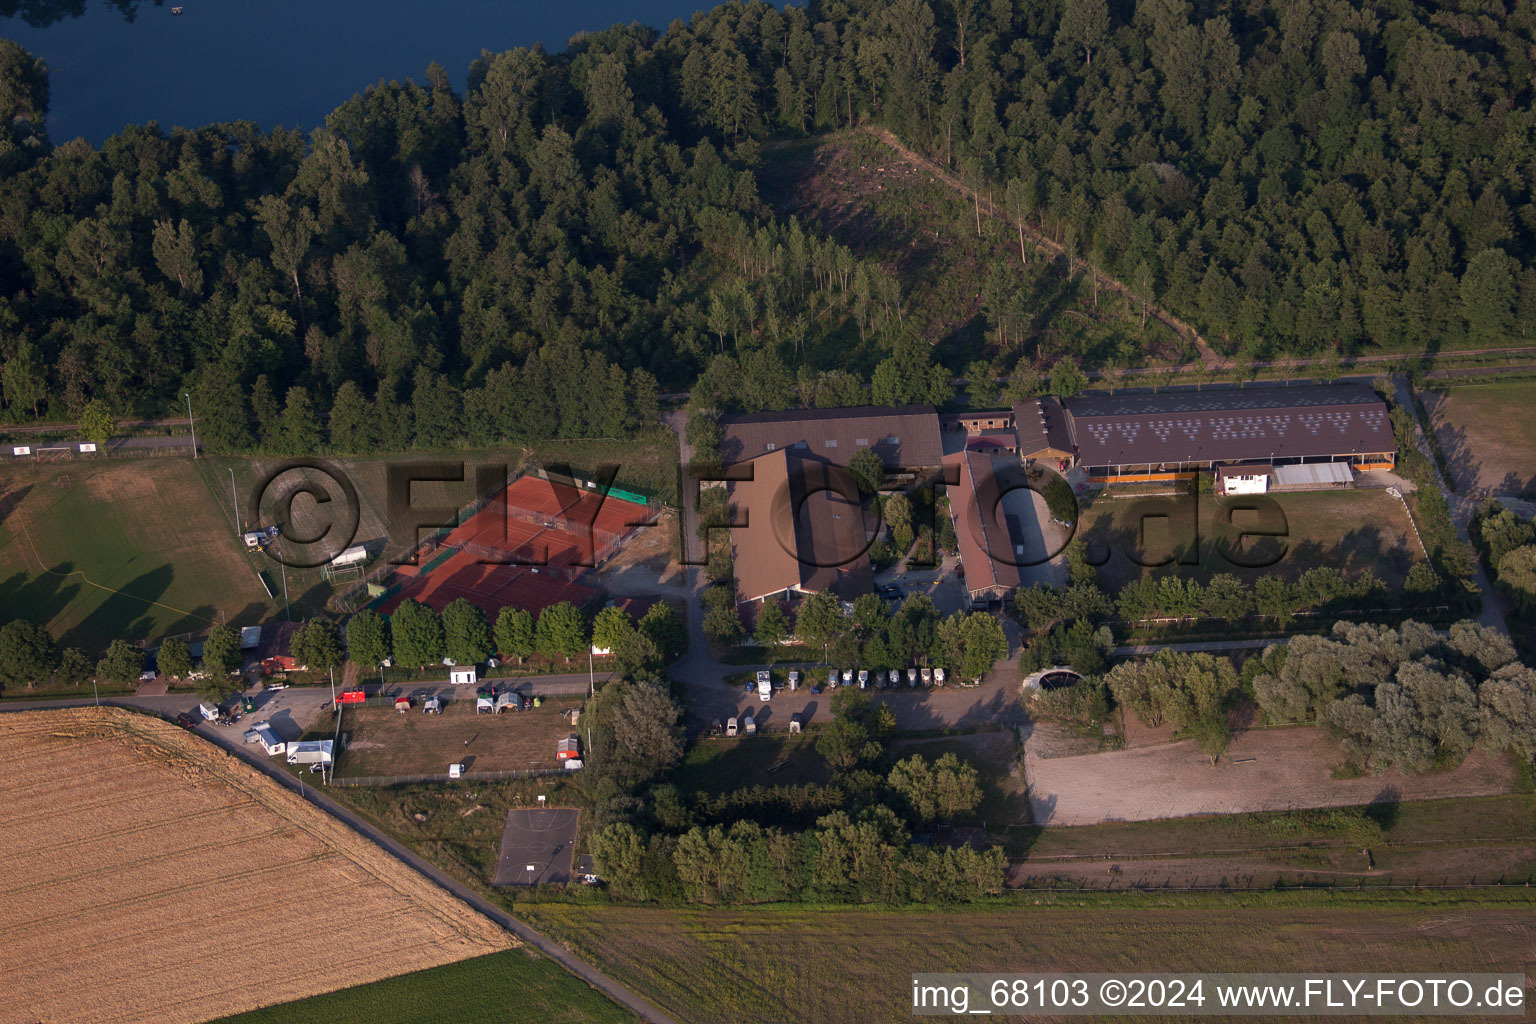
{"type": "Point", "coordinates": [1452, 840]}
{"type": "Point", "coordinates": [1349, 530]}
{"type": "Point", "coordinates": [509, 986]}
{"type": "Point", "coordinates": [133, 549]}
{"type": "Point", "coordinates": [837, 965]}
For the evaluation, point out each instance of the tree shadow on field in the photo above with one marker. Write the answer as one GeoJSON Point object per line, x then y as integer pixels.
{"type": "Point", "coordinates": [11, 500]}
{"type": "Point", "coordinates": [251, 614]}
{"type": "Point", "coordinates": [196, 621]}
{"type": "Point", "coordinates": [1385, 808]}
{"type": "Point", "coordinates": [125, 613]}
{"type": "Point", "coordinates": [39, 597]}
{"type": "Point", "coordinates": [313, 600]}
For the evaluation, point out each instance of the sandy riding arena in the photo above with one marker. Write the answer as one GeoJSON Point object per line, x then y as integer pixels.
{"type": "Point", "coordinates": [148, 876]}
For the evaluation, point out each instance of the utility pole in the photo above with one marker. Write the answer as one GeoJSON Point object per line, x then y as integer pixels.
{"type": "Point", "coordinates": [333, 686]}
{"type": "Point", "coordinates": [591, 676]}
{"type": "Point", "coordinates": [192, 422]}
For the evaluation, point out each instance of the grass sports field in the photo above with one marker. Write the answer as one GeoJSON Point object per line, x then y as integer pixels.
{"type": "Point", "coordinates": [1487, 434]}
{"type": "Point", "coordinates": [839, 965]}
{"type": "Point", "coordinates": [493, 989]}
{"type": "Point", "coordinates": [1349, 530]}
{"type": "Point", "coordinates": [139, 550]}
{"type": "Point", "coordinates": [134, 851]}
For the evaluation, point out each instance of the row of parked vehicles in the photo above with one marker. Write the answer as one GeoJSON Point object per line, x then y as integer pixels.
{"type": "Point", "coordinates": [862, 678]}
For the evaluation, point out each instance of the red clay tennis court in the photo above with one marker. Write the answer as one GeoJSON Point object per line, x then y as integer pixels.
{"type": "Point", "coordinates": [524, 546]}
{"type": "Point", "coordinates": [541, 522]}
{"type": "Point", "coordinates": [490, 587]}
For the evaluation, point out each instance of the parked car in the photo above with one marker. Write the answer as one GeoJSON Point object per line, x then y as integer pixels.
{"type": "Point", "coordinates": [911, 677]}
{"type": "Point", "coordinates": [847, 677]}
{"type": "Point", "coordinates": [832, 679]}
{"type": "Point", "coordinates": [938, 676]}
{"type": "Point", "coordinates": [863, 679]}
{"type": "Point", "coordinates": [895, 678]}
{"type": "Point", "coordinates": [927, 677]}
{"type": "Point", "coordinates": [187, 719]}
{"type": "Point", "coordinates": [891, 592]}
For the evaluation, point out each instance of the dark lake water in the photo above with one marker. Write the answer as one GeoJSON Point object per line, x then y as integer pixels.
{"type": "Point", "coordinates": [277, 62]}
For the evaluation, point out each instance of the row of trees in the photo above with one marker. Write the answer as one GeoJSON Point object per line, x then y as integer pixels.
{"type": "Point", "coordinates": [865, 858]}
{"type": "Point", "coordinates": [29, 655]}
{"type": "Point", "coordinates": [872, 636]}
{"type": "Point", "coordinates": [415, 636]}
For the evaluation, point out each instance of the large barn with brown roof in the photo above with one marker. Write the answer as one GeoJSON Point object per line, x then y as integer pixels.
{"type": "Point", "coordinates": [903, 436]}
{"type": "Point", "coordinates": [803, 530]}
{"type": "Point", "coordinates": [985, 546]}
{"type": "Point", "coordinates": [1173, 434]}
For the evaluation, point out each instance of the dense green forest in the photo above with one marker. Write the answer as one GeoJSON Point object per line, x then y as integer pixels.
{"type": "Point", "coordinates": [545, 253]}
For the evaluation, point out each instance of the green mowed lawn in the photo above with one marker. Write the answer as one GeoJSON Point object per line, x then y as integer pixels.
{"type": "Point", "coordinates": [722, 764]}
{"type": "Point", "coordinates": [138, 550]}
{"type": "Point", "coordinates": [510, 986]}
{"type": "Point", "coordinates": [1198, 537]}
{"type": "Point", "coordinates": [1463, 821]}
{"type": "Point", "coordinates": [850, 965]}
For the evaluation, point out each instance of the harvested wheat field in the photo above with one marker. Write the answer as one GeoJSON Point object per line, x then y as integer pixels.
{"type": "Point", "coordinates": [147, 876]}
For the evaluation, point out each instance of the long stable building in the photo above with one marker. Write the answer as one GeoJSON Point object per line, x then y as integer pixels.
{"type": "Point", "coordinates": [1173, 435]}
{"type": "Point", "coordinates": [804, 535]}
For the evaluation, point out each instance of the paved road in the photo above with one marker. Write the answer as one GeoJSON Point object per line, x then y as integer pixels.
{"type": "Point", "coordinates": [229, 740]}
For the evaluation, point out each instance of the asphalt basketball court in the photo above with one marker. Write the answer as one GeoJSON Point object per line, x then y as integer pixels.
{"type": "Point", "coordinates": [537, 846]}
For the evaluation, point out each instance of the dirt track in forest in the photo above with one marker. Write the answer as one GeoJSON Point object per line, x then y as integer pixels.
{"type": "Point", "coordinates": [1041, 241]}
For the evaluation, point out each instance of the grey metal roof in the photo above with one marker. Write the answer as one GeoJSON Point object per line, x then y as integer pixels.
{"type": "Point", "coordinates": [1313, 474]}
{"type": "Point", "coordinates": [1230, 425]}
{"type": "Point", "coordinates": [1041, 423]}
{"type": "Point", "coordinates": [903, 436]}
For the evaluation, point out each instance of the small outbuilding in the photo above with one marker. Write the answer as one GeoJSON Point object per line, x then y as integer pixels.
{"type": "Point", "coordinates": [310, 752]}
{"type": "Point", "coordinates": [464, 676]}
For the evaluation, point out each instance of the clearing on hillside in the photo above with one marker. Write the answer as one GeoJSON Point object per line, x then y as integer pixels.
{"type": "Point", "coordinates": [863, 194]}
{"type": "Point", "coordinates": [185, 885]}
{"type": "Point", "coordinates": [139, 550]}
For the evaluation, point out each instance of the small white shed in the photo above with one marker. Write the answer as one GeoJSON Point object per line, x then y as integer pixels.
{"type": "Point", "coordinates": [465, 676]}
